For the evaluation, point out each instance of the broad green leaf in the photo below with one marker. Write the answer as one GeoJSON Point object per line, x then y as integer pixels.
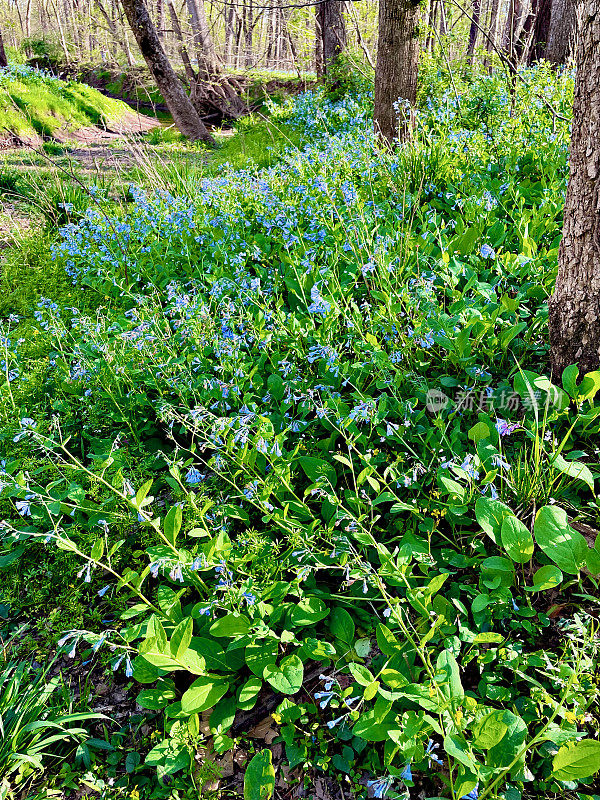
{"type": "Point", "coordinates": [259, 778]}
{"type": "Point", "coordinates": [490, 515]}
{"type": "Point", "coordinates": [205, 692]}
{"type": "Point", "coordinates": [316, 468]}
{"type": "Point", "coordinates": [577, 760]}
{"type": "Point", "coordinates": [308, 611]}
{"type": "Point", "coordinates": [172, 523]}
{"type": "Point", "coordinates": [259, 654]}
{"type": "Point", "coordinates": [497, 571]}
{"type": "Point", "coordinates": [155, 699]}
{"type": "Point", "coordinates": [181, 638]}
{"type": "Point", "coordinates": [361, 674]}
{"type": "Point", "coordinates": [287, 677]}
{"type": "Point", "coordinates": [574, 469]}
{"type": "Point", "coordinates": [249, 693]}
{"type": "Point", "coordinates": [516, 540]}
{"type": "Point", "coordinates": [230, 625]}
{"type": "Point", "coordinates": [490, 731]}
{"type": "Point", "coordinates": [342, 625]}
{"type": "Point", "coordinates": [566, 547]}
{"type": "Point", "coordinates": [451, 684]}
{"type": "Point", "coordinates": [548, 577]}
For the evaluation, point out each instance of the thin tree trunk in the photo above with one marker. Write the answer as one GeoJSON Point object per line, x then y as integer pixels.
{"type": "Point", "coordinates": [122, 40]}
{"type": "Point", "coordinates": [3, 58]}
{"type": "Point", "coordinates": [396, 71]}
{"type": "Point", "coordinates": [208, 63]}
{"type": "Point", "coordinates": [562, 31]}
{"type": "Point", "coordinates": [492, 38]}
{"type": "Point", "coordinates": [574, 308]}
{"type": "Point", "coordinates": [183, 53]}
{"type": "Point", "coordinates": [318, 44]}
{"type": "Point", "coordinates": [184, 114]}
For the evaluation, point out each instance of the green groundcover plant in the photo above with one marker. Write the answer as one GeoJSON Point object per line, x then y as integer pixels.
{"type": "Point", "coordinates": [365, 508]}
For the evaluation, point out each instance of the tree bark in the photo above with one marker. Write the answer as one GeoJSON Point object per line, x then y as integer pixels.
{"type": "Point", "coordinates": [332, 27]}
{"type": "Point", "coordinates": [396, 70]}
{"type": "Point", "coordinates": [179, 104]}
{"type": "Point", "coordinates": [574, 308]}
{"type": "Point", "coordinates": [474, 29]}
{"type": "Point", "coordinates": [541, 28]}
{"type": "Point", "coordinates": [3, 58]}
{"type": "Point", "coordinates": [562, 31]}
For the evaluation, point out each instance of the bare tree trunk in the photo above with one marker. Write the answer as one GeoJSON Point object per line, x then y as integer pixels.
{"type": "Point", "coordinates": [492, 38]}
{"type": "Point", "coordinates": [229, 34]}
{"type": "Point", "coordinates": [574, 308]}
{"type": "Point", "coordinates": [160, 19]}
{"type": "Point", "coordinates": [333, 30]}
{"type": "Point", "coordinates": [443, 21]}
{"type": "Point", "coordinates": [248, 33]}
{"type": "Point", "coordinates": [474, 29]}
{"type": "Point", "coordinates": [206, 53]}
{"type": "Point", "coordinates": [3, 58]}
{"type": "Point", "coordinates": [115, 33]}
{"type": "Point", "coordinates": [184, 114]}
{"type": "Point", "coordinates": [396, 71]}
{"type": "Point", "coordinates": [318, 44]}
{"type": "Point", "coordinates": [541, 27]}
{"type": "Point", "coordinates": [562, 31]}
{"type": "Point", "coordinates": [183, 53]}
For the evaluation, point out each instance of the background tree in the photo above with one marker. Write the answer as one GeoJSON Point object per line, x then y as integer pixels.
{"type": "Point", "coordinates": [574, 307]}
{"type": "Point", "coordinates": [3, 59]}
{"type": "Point", "coordinates": [396, 70]}
{"type": "Point", "coordinates": [184, 114]}
{"type": "Point", "coordinates": [331, 28]}
{"type": "Point", "coordinates": [562, 31]}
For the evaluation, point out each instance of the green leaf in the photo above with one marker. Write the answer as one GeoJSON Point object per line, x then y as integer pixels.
{"type": "Point", "coordinates": [316, 468]}
{"type": "Point", "coordinates": [452, 687]}
{"type": "Point", "coordinates": [172, 523]}
{"type": "Point", "coordinates": [287, 677]}
{"type": "Point", "coordinates": [574, 469]}
{"type": "Point", "coordinates": [566, 547]}
{"type": "Point", "coordinates": [497, 571]}
{"type": "Point", "coordinates": [361, 674]}
{"type": "Point", "coordinates": [490, 515]}
{"type": "Point", "coordinates": [259, 778]}
{"type": "Point", "coordinates": [577, 760]}
{"type": "Point", "coordinates": [181, 638]}
{"type": "Point", "coordinates": [249, 693]}
{"type": "Point", "coordinates": [258, 655]}
{"type": "Point", "coordinates": [548, 577]}
{"type": "Point", "coordinates": [308, 611]}
{"type": "Point", "coordinates": [456, 747]}
{"type": "Point", "coordinates": [516, 540]}
{"type": "Point", "coordinates": [155, 699]}
{"type": "Point", "coordinates": [490, 731]}
{"type": "Point", "coordinates": [342, 625]}
{"type": "Point", "coordinates": [230, 625]}
{"type": "Point", "coordinates": [205, 692]}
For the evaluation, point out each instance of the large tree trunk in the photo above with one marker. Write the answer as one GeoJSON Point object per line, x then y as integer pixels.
{"type": "Point", "coordinates": [574, 307]}
{"type": "Point", "coordinates": [541, 28]}
{"type": "Point", "coordinates": [3, 58]}
{"type": "Point", "coordinates": [562, 31]}
{"type": "Point", "coordinates": [332, 28]}
{"type": "Point", "coordinates": [396, 70]}
{"type": "Point", "coordinates": [179, 104]}
{"type": "Point", "coordinates": [474, 29]}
